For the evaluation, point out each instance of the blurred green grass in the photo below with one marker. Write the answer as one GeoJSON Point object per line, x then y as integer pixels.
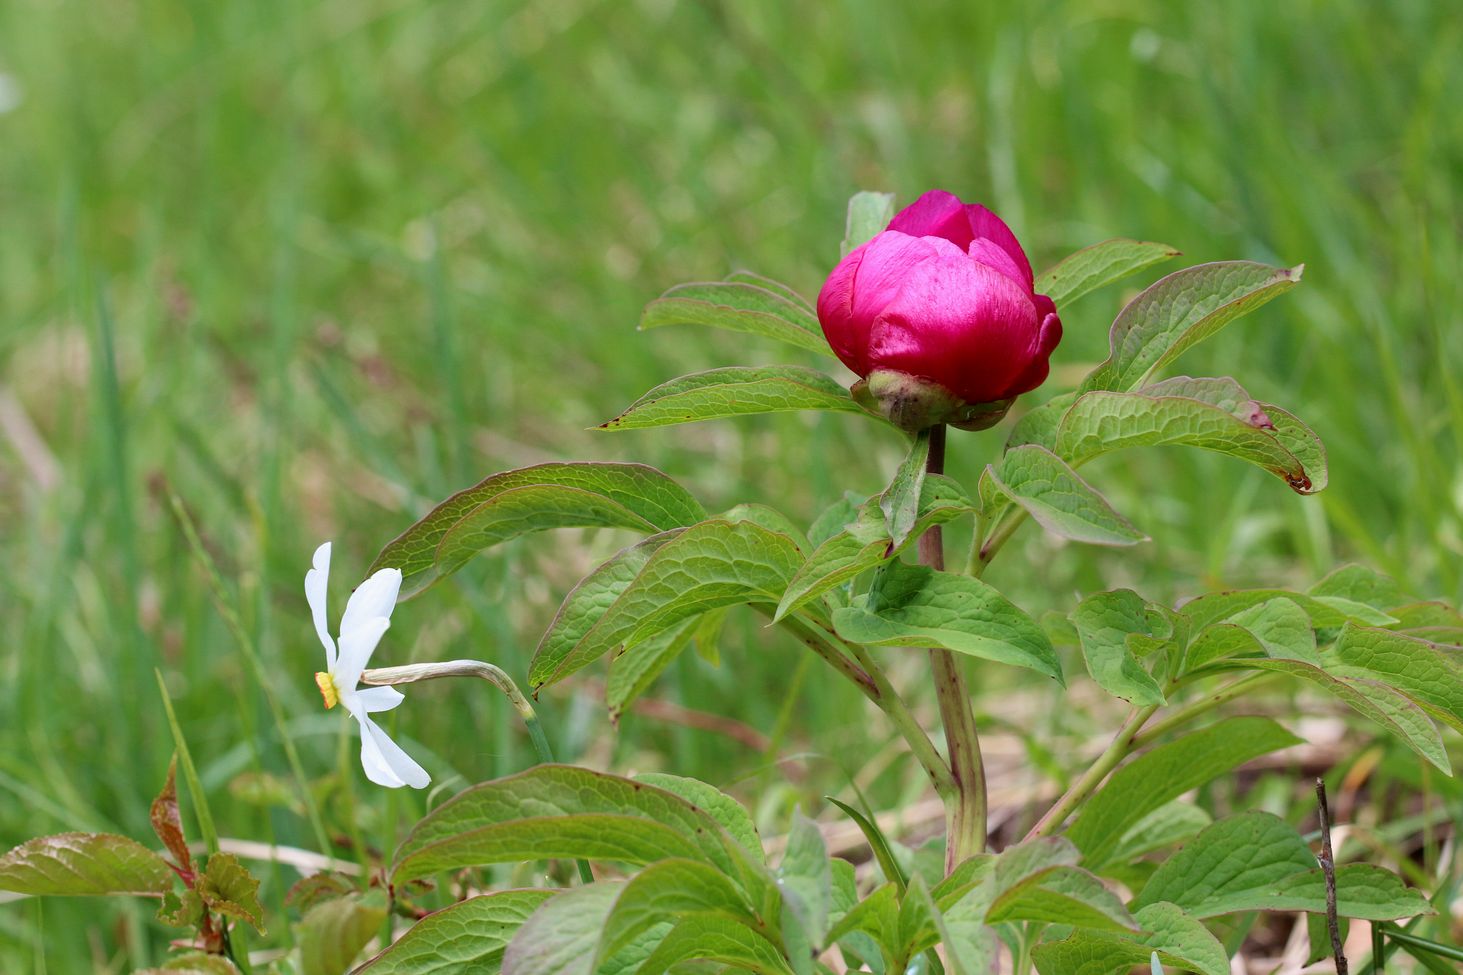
{"type": "Point", "coordinates": [314, 265]}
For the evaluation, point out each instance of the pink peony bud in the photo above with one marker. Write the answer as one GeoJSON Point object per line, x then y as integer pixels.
{"type": "Point", "coordinates": [938, 316]}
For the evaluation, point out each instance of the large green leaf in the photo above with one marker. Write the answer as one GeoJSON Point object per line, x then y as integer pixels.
{"type": "Point", "coordinates": [669, 890]}
{"type": "Point", "coordinates": [733, 391]}
{"type": "Point", "coordinates": [468, 938]}
{"type": "Point", "coordinates": [84, 864]}
{"type": "Point", "coordinates": [1040, 424]}
{"type": "Point", "coordinates": [1426, 673]}
{"type": "Point", "coordinates": [1173, 823]}
{"type": "Point", "coordinates": [722, 940]}
{"type": "Point", "coordinates": [1363, 891]}
{"type": "Point", "coordinates": [562, 811]}
{"type": "Point", "coordinates": [583, 607]}
{"type": "Point", "coordinates": [1166, 772]}
{"type": "Point", "coordinates": [1217, 607]}
{"type": "Point", "coordinates": [632, 672]}
{"type": "Point", "coordinates": [864, 542]}
{"type": "Point", "coordinates": [334, 932]}
{"type": "Point", "coordinates": [1062, 895]}
{"type": "Point", "coordinates": [1053, 494]}
{"type": "Point", "coordinates": [805, 878]}
{"type": "Point", "coordinates": [1387, 707]}
{"type": "Point", "coordinates": [738, 306]}
{"type": "Point", "coordinates": [561, 935]}
{"type": "Point", "coordinates": [1106, 622]}
{"type": "Point", "coordinates": [534, 499]}
{"type": "Point", "coordinates": [718, 805]}
{"type": "Point", "coordinates": [1101, 422]}
{"type": "Point", "coordinates": [1229, 866]}
{"type": "Point", "coordinates": [714, 564]}
{"type": "Point", "coordinates": [1181, 941]}
{"type": "Point", "coordinates": [920, 607]}
{"type": "Point", "coordinates": [776, 287]}
{"type": "Point", "coordinates": [1099, 265]}
{"type": "Point", "coordinates": [869, 214]}
{"type": "Point", "coordinates": [1360, 584]}
{"type": "Point", "coordinates": [1181, 310]}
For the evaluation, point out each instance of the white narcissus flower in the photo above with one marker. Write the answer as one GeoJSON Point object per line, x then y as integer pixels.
{"type": "Point", "coordinates": [367, 616]}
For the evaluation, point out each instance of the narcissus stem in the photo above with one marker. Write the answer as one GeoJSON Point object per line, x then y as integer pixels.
{"type": "Point", "coordinates": [965, 807]}
{"type": "Point", "coordinates": [412, 673]}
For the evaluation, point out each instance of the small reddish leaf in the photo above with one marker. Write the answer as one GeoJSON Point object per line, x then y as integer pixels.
{"type": "Point", "coordinates": [167, 823]}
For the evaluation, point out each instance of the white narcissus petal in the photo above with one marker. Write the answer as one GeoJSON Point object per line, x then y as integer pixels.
{"type": "Point", "coordinates": [384, 761]}
{"type": "Point", "coordinates": [375, 699]}
{"type": "Point", "coordinates": [373, 598]}
{"type": "Point", "coordinates": [356, 647]}
{"type": "Point", "coordinates": [315, 584]}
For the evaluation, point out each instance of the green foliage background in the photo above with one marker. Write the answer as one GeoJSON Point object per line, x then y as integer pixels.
{"type": "Point", "coordinates": [313, 265]}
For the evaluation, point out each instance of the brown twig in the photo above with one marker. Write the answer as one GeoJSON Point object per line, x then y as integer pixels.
{"type": "Point", "coordinates": [1328, 867]}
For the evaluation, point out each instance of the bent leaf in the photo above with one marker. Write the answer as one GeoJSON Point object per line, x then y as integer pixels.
{"type": "Point", "coordinates": [469, 936]}
{"type": "Point", "coordinates": [1426, 673]}
{"type": "Point", "coordinates": [920, 607]}
{"type": "Point", "coordinates": [1180, 311]}
{"type": "Point", "coordinates": [1097, 266]}
{"type": "Point", "coordinates": [738, 307]}
{"type": "Point", "coordinates": [1229, 866]}
{"type": "Point", "coordinates": [733, 391]}
{"type": "Point", "coordinates": [1101, 422]}
{"type": "Point", "coordinates": [1166, 772]}
{"type": "Point", "coordinates": [535, 499]}
{"type": "Point", "coordinates": [1052, 493]}
{"type": "Point", "coordinates": [714, 938]}
{"type": "Point", "coordinates": [1177, 939]}
{"type": "Point", "coordinates": [84, 865]}
{"type": "Point", "coordinates": [669, 890]}
{"type": "Point", "coordinates": [559, 938]}
{"type": "Point", "coordinates": [333, 933]}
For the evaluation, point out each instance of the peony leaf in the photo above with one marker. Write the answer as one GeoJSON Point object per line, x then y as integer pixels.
{"type": "Point", "coordinates": [583, 607]}
{"type": "Point", "coordinates": [1169, 936]}
{"type": "Point", "coordinates": [920, 607]}
{"type": "Point", "coordinates": [467, 938]}
{"type": "Point", "coordinates": [733, 391]}
{"type": "Point", "coordinates": [901, 499]}
{"type": "Point", "coordinates": [716, 563]}
{"type": "Point", "coordinates": [667, 891]}
{"type": "Point", "coordinates": [805, 878]}
{"type": "Point", "coordinates": [864, 542]}
{"type": "Point", "coordinates": [84, 864]}
{"type": "Point", "coordinates": [1181, 310]}
{"type": "Point", "coordinates": [718, 939]}
{"type": "Point", "coordinates": [1101, 422]}
{"type": "Point", "coordinates": [560, 936]}
{"type": "Point", "coordinates": [1105, 622]}
{"type": "Point", "coordinates": [1056, 497]}
{"type": "Point", "coordinates": [1097, 266]}
{"type": "Point", "coordinates": [1166, 772]}
{"type": "Point", "coordinates": [1425, 673]}
{"type": "Point", "coordinates": [535, 499]}
{"type": "Point", "coordinates": [715, 803]}
{"type": "Point", "coordinates": [1255, 861]}
{"type": "Point", "coordinates": [553, 811]}
{"type": "Point", "coordinates": [738, 306]}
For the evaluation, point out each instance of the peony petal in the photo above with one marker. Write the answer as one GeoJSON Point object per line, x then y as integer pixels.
{"type": "Point", "coordinates": [935, 214]}
{"type": "Point", "coordinates": [986, 225]}
{"type": "Point", "coordinates": [356, 648]}
{"type": "Point", "coordinates": [373, 700]}
{"type": "Point", "coordinates": [373, 598]}
{"type": "Point", "coordinates": [1048, 335]}
{"type": "Point", "coordinates": [835, 313]}
{"type": "Point", "coordinates": [960, 323]}
{"type": "Point", "coordinates": [384, 761]}
{"type": "Point", "coordinates": [986, 252]}
{"type": "Point", "coordinates": [316, 581]}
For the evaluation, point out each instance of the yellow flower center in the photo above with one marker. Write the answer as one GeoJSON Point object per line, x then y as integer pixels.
{"type": "Point", "coordinates": [326, 683]}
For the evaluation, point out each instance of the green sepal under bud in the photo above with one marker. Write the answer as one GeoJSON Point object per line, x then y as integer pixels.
{"type": "Point", "coordinates": [913, 404]}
